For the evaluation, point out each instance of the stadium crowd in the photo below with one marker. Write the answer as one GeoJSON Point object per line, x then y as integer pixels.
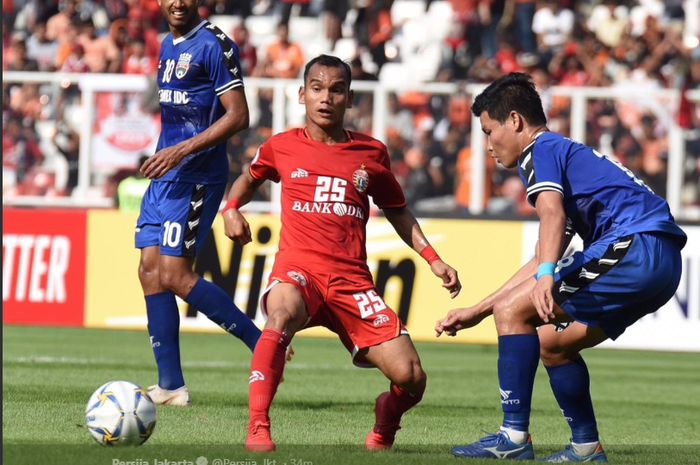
{"type": "Point", "coordinates": [649, 44]}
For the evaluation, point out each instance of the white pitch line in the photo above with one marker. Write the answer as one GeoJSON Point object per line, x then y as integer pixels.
{"type": "Point", "coordinates": [49, 360]}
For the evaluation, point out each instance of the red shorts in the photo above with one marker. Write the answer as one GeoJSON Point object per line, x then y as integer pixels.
{"type": "Point", "coordinates": [342, 300]}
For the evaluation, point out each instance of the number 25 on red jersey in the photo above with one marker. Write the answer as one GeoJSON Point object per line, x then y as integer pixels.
{"type": "Point", "coordinates": [329, 189]}
{"type": "Point", "coordinates": [369, 303]}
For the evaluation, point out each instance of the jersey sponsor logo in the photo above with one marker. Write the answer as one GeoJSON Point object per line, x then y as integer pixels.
{"type": "Point", "coordinates": [300, 173]}
{"type": "Point", "coordinates": [327, 208]}
{"type": "Point", "coordinates": [177, 97]}
{"type": "Point", "coordinates": [298, 277]}
{"type": "Point", "coordinates": [256, 376]}
{"type": "Point", "coordinates": [183, 65]}
{"type": "Point", "coordinates": [381, 319]}
{"type": "Point", "coordinates": [360, 179]}
{"type": "Point", "coordinates": [505, 398]}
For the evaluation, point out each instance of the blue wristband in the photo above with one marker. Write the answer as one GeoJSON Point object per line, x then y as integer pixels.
{"type": "Point", "coordinates": [546, 268]}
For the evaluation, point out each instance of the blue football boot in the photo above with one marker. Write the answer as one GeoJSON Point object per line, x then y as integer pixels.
{"type": "Point", "coordinates": [496, 446]}
{"type": "Point", "coordinates": [568, 455]}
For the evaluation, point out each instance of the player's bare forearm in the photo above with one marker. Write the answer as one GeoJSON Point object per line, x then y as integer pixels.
{"type": "Point", "coordinates": [409, 230]}
{"type": "Point", "coordinates": [407, 227]}
{"type": "Point", "coordinates": [236, 227]}
{"type": "Point", "coordinates": [244, 187]}
{"type": "Point", "coordinates": [234, 120]}
{"type": "Point", "coordinates": [461, 318]}
{"type": "Point", "coordinates": [550, 210]}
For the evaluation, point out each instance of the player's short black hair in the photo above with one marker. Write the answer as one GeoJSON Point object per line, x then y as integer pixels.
{"type": "Point", "coordinates": [331, 62]}
{"type": "Point", "coordinates": [512, 92]}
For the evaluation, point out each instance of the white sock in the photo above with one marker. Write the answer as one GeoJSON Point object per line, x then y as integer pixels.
{"type": "Point", "coordinates": [588, 448]}
{"type": "Point", "coordinates": [518, 437]}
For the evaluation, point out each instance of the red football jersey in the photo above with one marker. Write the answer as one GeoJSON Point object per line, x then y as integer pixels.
{"type": "Point", "coordinates": [325, 192]}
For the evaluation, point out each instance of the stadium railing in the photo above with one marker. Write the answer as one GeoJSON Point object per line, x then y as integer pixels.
{"type": "Point", "coordinates": [283, 90]}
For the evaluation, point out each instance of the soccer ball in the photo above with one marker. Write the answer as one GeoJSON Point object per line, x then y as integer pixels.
{"type": "Point", "coordinates": [120, 413]}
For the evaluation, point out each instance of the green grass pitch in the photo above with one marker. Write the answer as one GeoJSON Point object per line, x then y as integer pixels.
{"type": "Point", "coordinates": [647, 403]}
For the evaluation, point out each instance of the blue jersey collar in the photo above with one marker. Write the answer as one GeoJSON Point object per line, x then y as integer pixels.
{"type": "Point", "coordinates": [181, 39]}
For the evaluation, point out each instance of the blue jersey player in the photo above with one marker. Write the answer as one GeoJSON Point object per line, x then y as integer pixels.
{"type": "Point", "coordinates": [202, 105]}
{"type": "Point", "coordinates": [630, 266]}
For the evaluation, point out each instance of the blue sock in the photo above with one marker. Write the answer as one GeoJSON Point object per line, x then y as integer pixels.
{"type": "Point", "coordinates": [518, 356]}
{"type": "Point", "coordinates": [211, 300]}
{"type": "Point", "coordinates": [164, 329]}
{"type": "Point", "coordinates": [571, 386]}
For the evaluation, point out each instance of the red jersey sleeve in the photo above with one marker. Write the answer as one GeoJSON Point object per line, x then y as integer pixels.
{"type": "Point", "coordinates": [263, 165]}
{"type": "Point", "coordinates": [384, 188]}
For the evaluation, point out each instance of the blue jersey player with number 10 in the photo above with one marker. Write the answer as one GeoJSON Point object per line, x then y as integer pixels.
{"type": "Point", "coordinates": [630, 266]}
{"type": "Point", "coordinates": [202, 105]}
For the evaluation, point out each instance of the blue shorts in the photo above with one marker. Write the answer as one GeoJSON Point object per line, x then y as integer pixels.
{"type": "Point", "coordinates": [614, 284]}
{"type": "Point", "coordinates": [177, 216]}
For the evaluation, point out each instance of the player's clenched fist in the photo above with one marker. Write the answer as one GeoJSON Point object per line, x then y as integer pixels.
{"type": "Point", "coordinates": [450, 281]}
{"type": "Point", "coordinates": [457, 319]}
{"type": "Point", "coordinates": [160, 163]}
{"type": "Point", "coordinates": [236, 227]}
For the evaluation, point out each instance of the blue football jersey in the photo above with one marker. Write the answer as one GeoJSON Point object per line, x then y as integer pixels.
{"type": "Point", "coordinates": [193, 71]}
{"type": "Point", "coordinates": [602, 199]}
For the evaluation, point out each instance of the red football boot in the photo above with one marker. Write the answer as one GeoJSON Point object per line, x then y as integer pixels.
{"type": "Point", "coordinates": [259, 439]}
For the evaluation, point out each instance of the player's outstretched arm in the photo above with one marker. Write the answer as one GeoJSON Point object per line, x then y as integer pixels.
{"type": "Point", "coordinates": [235, 225]}
{"type": "Point", "coordinates": [234, 120]}
{"type": "Point", "coordinates": [461, 318]}
{"type": "Point", "coordinates": [409, 230]}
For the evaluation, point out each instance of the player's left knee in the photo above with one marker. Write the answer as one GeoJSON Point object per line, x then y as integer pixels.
{"type": "Point", "coordinates": [550, 355]}
{"type": "Point", "coordinates": [504, 316]}
{"type": "Point", "coordinates": [411, 377]}
{"type": "Point", "coordinates": [553, 351]}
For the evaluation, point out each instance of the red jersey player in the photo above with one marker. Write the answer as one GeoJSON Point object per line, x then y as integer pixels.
{"type": "Point", "coordinates": [320, 276]}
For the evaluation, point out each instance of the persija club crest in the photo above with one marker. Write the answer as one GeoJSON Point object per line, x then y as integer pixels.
{"type": "Point", "coordinates": [360, 179]}
{"type": "Point", "coordinates": [298, 277]}
{"type": "Point", "coordinates": [183, 65]}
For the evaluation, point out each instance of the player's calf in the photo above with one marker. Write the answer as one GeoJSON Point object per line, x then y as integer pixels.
{"type": "Point", "coordinates": [390, 406]}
